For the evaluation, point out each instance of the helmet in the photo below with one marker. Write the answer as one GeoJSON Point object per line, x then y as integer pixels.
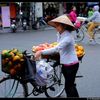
{"type": "Point", "coordinates": [96, 8]}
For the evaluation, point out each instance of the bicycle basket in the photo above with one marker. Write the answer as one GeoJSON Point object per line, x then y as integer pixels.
{"type": "Point", "coordinates": [12, 62]}
{"type": "Point", "coordinates": [81, 57]}
{"type": "Point", "coordinates": [80, 51]}
{"type": "Point", "coordinates": [30, 69]}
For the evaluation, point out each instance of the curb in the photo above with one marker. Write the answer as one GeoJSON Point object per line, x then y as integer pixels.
{"type": "Point", "coordinates": [20, 30]}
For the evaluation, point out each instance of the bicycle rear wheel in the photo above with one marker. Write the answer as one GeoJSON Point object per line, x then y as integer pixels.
{"type": "Point", "coordinates": [12, 88]}
{"type": "Point", "coordinates": [56, 83]}
{"type": "Point", "coordinates": [78, 35]}
{"type": "Point", "coordinates": [97, 36]}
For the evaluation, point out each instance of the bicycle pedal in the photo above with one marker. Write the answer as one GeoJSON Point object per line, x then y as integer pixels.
{"type": "Point", "coordinates": [41, 89]}
{"type": "Point", "coordinates": [52, 88]}
{"type": "Point", "coordinates": [35, 93]}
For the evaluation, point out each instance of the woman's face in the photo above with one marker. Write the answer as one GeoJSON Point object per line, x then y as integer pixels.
{"type": "Point", "coordinates": [59, 27]}
{"type": "Point", "coordinates": [74, 8]}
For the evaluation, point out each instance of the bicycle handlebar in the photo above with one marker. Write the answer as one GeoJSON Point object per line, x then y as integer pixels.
{"type": "Point", "coordinates": [27, 53]}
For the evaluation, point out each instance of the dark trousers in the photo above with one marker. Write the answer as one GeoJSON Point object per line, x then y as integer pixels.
{"type": "Point", "coordinates": [69, 73]}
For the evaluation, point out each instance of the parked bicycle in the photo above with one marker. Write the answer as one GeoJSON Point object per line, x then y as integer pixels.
{"type": "Point", "coordinates": [12, 86]}
{"type": "Point", "coordinates": [41, 23]}
{"type": "Point", "coordinates": [81, 32]}
{"type": "Point", "coordinates": [17, 86]}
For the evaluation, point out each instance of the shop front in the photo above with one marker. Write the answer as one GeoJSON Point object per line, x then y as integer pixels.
{"type": "Point", "coordinates": [7, 12]}
{"type": "Point", "coordinates": [51, 8]}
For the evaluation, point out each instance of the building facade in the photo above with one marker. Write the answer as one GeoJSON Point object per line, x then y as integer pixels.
{"type": "Point", "coordinates": [32, 10]}
{"type": "Point", "coordinates": [7, 12]}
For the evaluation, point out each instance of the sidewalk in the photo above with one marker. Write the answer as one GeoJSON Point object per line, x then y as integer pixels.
{"type": "Point", "coordinates": [8, 30]}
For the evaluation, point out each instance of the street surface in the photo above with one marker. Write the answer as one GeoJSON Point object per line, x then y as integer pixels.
{"type": "Point", "coordinates": [88, 85]}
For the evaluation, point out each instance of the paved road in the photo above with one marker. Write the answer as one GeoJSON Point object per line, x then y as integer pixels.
{"type": "Point", "coordinates": [88, 85]}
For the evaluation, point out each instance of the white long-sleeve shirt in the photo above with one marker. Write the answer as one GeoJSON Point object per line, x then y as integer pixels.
{"type": "Point", "coordinates": [65, 48]}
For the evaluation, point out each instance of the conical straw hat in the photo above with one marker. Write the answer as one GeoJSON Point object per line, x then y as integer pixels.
{"type": "Point", "coordinates": [61, 19]}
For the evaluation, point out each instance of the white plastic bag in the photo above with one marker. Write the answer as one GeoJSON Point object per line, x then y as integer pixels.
{"type": "Point", "coordinates": [44, 70]}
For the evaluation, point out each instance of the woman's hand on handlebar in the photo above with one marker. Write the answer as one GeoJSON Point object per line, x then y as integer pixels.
{"type": "Point", "coordinates": [37, 55]}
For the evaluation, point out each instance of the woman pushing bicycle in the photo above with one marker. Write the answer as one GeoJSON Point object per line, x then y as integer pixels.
{"type": "Point", "coordinates": [66, 49]}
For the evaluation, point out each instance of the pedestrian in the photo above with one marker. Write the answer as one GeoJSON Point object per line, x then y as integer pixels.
{"type": "Point", "coordinates": [73, 14]}
{"type": "Point", "coordinates": [94, 21]}
{"type": "Point", "coordinates": [90, 12]}
{"type": "Point", "coordinates": [66, 49]}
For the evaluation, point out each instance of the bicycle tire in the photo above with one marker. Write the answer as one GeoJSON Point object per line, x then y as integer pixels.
{"type": "Point", "coordinates": [56, 87]}
{"type": "Point", "coordinates": [8, 88]}
{"type": "Point", "coordinates": [78, 36]}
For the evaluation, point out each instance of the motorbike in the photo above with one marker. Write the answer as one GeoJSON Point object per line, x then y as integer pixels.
{"type": "Point", "coordinates": [24, 25]}
{"type": "Point", "coordinates": [13, 26]}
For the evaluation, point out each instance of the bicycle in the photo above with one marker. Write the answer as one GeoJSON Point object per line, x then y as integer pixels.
{"type": "Point", "coordinates": [80, 33]}
{"type": "Point", "coordinates": [41, 23]}
{"type": "Point", "coordinates": [17, 86]}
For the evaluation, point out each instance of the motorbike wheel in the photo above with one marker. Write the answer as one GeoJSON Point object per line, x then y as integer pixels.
{"type": "Point", "coordinates": [14, 30]}
{"type": "Point", "coordinates": [24, 28]}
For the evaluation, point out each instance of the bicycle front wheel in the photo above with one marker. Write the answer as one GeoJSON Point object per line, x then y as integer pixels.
{"type": "Point", "coordinates": [56, 85]}
{"type": "Point", "coordinates": [12, 88]}
{"type": "Point", "coordinates": [78, 35]}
